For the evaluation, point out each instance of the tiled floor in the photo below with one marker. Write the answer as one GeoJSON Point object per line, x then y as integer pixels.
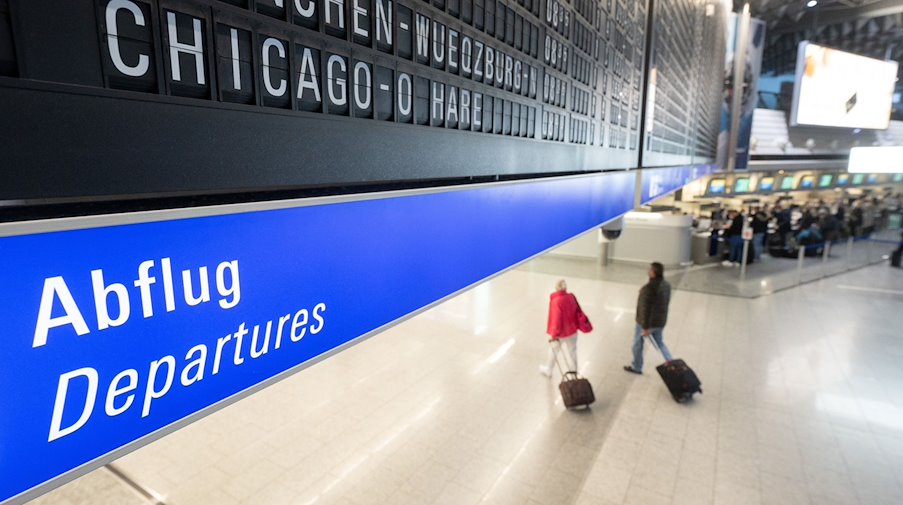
{"type": "Point", "coordinates": [803, 404]}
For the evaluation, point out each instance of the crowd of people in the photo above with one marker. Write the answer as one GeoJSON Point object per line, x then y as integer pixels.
{"type": "Point", "coordinates": [782, 229]}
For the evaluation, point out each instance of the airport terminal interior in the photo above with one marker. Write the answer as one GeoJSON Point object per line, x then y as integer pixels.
{"type": "Point", "coordinates": [340, 252]}
{"type": "Point", "coordinates": [800, 405]}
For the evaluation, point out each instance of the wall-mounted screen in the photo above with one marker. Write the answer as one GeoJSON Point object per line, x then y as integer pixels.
{"type": "Point", "coordinates": [806, 182]}
{"type": "Point", "coordinates": [843, 180]}
{"type": "Point", "coordinates": [766, 184]}
{"type": "Point", "coordinates": [825, 180]}
{"type": "Point", "coordinates": [742, 185]}
{"type": "Point", "coordinates": [898, 177]}
{"type": "Point", "coordinates": [787, 183]}
{"type": "Point", "coordinates": [841, 89]}
{"type": "Point", "coordinates": [716, 187]}
{"type": "Point", "coordinates": [858, 179]}
{"type": "Point", "coordinates": [872, 179]}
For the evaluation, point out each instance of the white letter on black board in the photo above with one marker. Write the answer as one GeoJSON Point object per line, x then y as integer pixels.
{"type": "Point", "coordinates": [336, 83]}
{"type": "Point", "coordinates": [280, 48]}
{"type": "Point", "coordinates": [195, 49]}
{"type": "Point", "coordinates": [113, 37]}
{"type": "Point", "coordinates": [365, 85]}
{"type": "Point", "coordinates": [405, 94]}
{"type": "Point", "coordinates": [308, 77]}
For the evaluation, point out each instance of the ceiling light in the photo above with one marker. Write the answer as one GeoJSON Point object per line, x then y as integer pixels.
{"type": "Point", "coordinates": [811, 3]}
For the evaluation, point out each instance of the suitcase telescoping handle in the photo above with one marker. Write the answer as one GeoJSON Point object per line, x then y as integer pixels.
{"type": "Point", "coordinates": [555, 350]}
{"type": "Point", "coordinates": [655, 345]}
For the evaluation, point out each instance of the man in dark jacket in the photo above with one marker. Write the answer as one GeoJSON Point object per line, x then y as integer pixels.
{"type": "Point", "coordinates": [733, 233]}
{"type": "Point", "coordinates": [651, 316]}
{"type": "Point", "coordinates": [760, 228]}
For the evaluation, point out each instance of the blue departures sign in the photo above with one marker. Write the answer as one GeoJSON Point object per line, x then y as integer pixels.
{"type": "Point", "coordinates": [661, 181]}
{"type": "Point", "coordinates": [110, 334]}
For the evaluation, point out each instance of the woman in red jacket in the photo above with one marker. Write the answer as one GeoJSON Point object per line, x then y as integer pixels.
{"type": "Point", "coordinates": [562, 327]}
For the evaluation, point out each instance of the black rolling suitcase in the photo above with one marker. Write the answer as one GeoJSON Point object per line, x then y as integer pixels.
{"type": "Point", "coordinates": [680, 379]}
{"type": "Point", "coordinates": [576, 391]}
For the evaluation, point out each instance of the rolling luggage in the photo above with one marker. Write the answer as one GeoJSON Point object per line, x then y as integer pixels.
{"type": "Point", "coordinates": [895, 258]}
{"type": "Point", "coordinates": [575, 390]}
{"type": "Point", "coordinates": [680, 379]}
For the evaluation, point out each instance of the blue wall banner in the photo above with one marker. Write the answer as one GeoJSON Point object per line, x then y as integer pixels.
{"type": "Point", "coordinates": [661, 181]}
{"type": "Point", "coordinates": [115, 334]}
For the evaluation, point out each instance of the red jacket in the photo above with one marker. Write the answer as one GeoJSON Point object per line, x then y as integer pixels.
{"type": "Point", "coordinates": [562, 314]}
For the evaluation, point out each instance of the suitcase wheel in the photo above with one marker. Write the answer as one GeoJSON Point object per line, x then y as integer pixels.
{"type": "Point", "coordinates": [681, 398]}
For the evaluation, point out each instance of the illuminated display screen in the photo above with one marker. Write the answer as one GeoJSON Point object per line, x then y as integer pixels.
{"type": "Point", "coordinates": [843, 179]}
{"type": "Point", "coordinates": [825, 180]}
{"type": "Point", "coordinates": [741, 185]}
{"type": "Point", "coordinates": [807, 182]}
{"type": "Point", "coordinates": [873, 179]}
{"type": "Point", "coordinates": [836, 88]}
{"type": "Point", "coordinates": [766, 184]}
{"type": "Point", "coordinates": [858, 179]}
{"type": "Point", "coordinates": [716, 186]}
{"type": "Point", "coordinates": [787, 183]}
{"type": "Point", "coordinates": [898, 177]}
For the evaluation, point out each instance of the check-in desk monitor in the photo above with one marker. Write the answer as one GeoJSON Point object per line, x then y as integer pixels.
{"type": "Point", "coordinates": [787, 183]}
{"type": "Point", "coordinates": [716, 187]}
{"type": "Point", "coordinates": [742, 185]}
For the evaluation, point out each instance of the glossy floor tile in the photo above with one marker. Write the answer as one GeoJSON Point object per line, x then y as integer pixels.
{"type": "Point", "coordinates": [801, 405]}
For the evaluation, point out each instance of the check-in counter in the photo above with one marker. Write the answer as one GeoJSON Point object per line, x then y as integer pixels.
{"type": "Point", "coordinates": [703, 249]}
{"type": "Point", "coordinates": [650, 236]}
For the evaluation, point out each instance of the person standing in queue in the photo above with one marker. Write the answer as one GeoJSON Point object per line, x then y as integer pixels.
{"type": "Point", "coordinates": [733, 233]}
{"type": "Point", "coordinates": [760, 228]}
{"type": "Point", "coordinates": [651, 316]}
{"type": "Point", "coordinates": [562, 327]}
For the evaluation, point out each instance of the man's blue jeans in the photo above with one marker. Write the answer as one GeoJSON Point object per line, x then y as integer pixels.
{"type": "Point", "coordinates": [638, 346]}
{"type": "Point", "coordinates": [759, 244]}
{"type": "Point", "coordinates": [736, 243]}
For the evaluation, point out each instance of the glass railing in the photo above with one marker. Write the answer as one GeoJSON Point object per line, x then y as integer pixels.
{"type": "Point", "coordinates": [778, 269]}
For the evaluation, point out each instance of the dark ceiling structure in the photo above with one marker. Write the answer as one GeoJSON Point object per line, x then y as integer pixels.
{"type": "Point", "coordinates": [869, 27]}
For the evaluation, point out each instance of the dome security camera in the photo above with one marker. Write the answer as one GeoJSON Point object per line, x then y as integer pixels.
{"type": "Point", "coordinates": [612, 230]}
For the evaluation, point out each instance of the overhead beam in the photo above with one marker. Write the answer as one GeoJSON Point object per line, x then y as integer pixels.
{"type": "Point", "coordinates": [831, 16]}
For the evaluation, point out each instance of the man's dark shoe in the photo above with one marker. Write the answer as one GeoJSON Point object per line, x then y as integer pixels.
{"type": "Point", "coordinates": [631, 370]}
